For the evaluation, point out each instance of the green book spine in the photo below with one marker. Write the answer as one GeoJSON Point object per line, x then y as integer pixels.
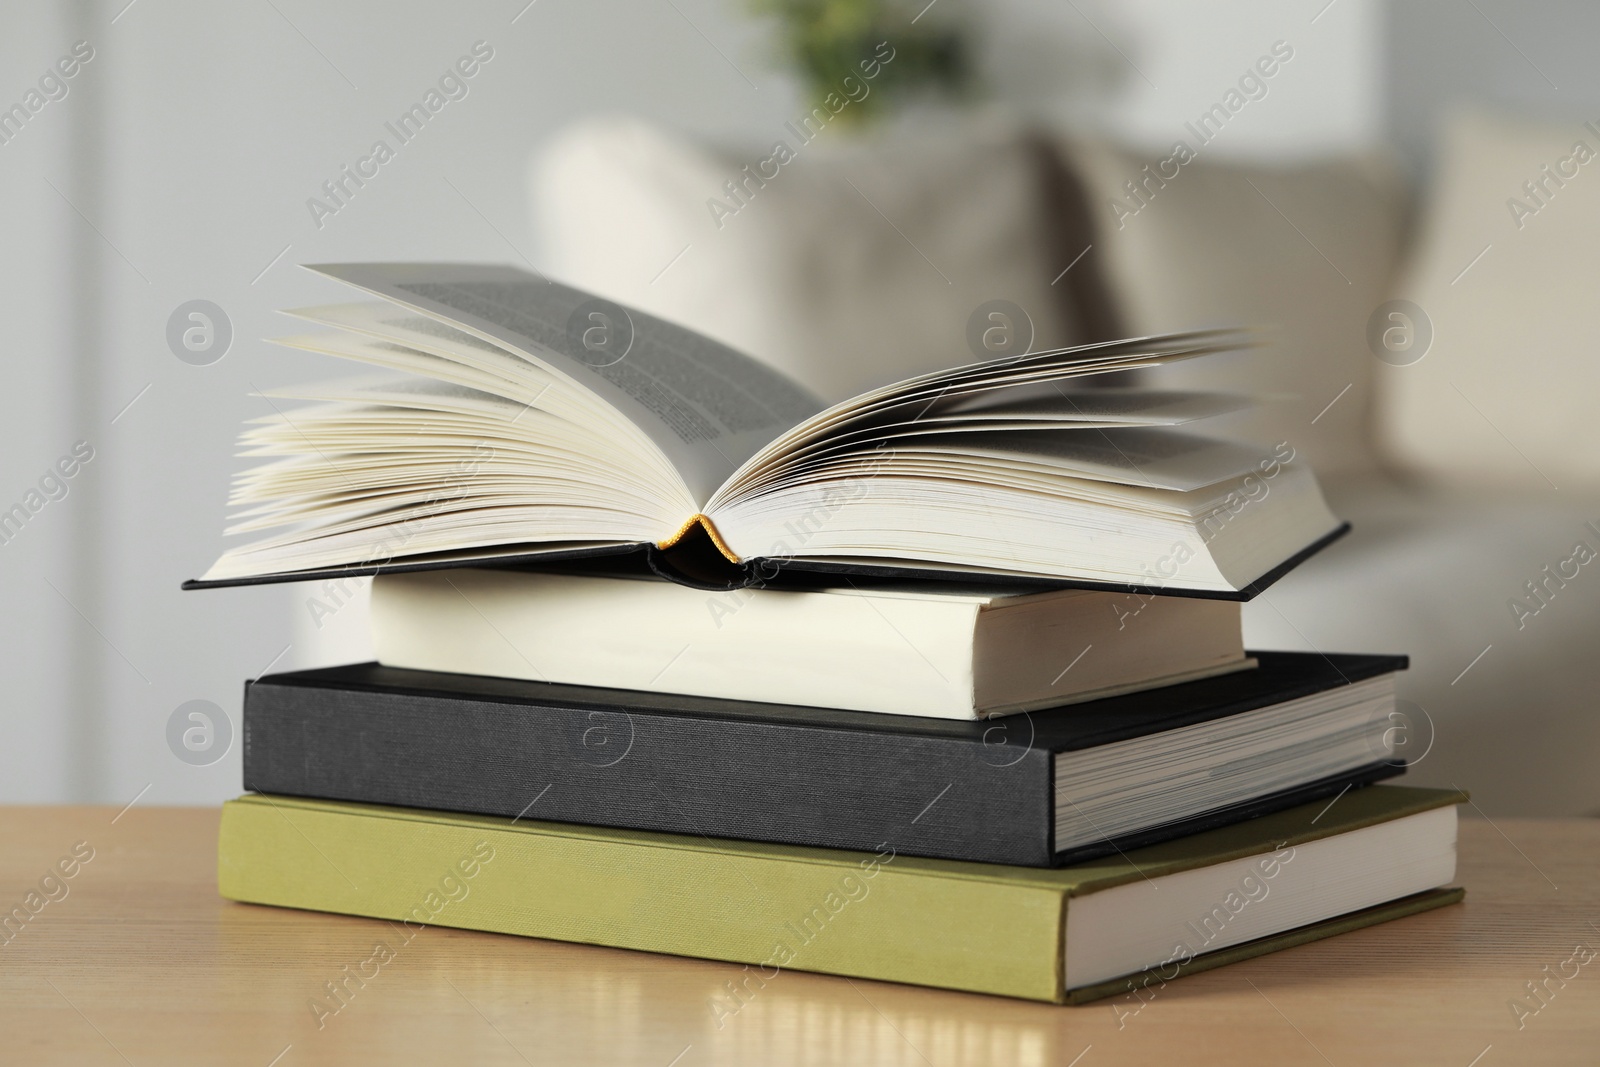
{"type": "Point", "coordinates": [976, 927]}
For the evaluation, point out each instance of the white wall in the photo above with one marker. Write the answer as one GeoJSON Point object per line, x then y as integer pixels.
{"type": "Point", "coordinates": [1140, 69]}
{"type": "Point", "coordinates": [191, 144]}
{"type": "Point", "coordinates": [41, 415]}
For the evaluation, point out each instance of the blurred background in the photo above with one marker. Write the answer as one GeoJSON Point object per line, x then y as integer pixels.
{"type": "Point", "coordinates": [1402, 194]}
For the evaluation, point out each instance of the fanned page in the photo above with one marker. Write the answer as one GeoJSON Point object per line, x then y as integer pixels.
{"type": "Point", "coordinates": [706, 406]}
{"type": "Point", "coordinates": [491, 429]}
{"type": "Point", "coordinates": [942, 473]}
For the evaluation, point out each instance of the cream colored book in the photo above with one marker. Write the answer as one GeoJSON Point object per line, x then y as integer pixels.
{"type": "Point", "coordinates": [934, 649]}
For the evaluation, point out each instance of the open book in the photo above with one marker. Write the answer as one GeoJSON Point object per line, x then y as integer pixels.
{"type": "Point", "coordinates": [531, 422]}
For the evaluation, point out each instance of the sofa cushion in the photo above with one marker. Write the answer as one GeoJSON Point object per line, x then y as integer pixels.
{"type": "Point", "coordinates": [1506, 270]}
{"type": "Point", "coordinates": [1497, 611]}
{"type": "Point", "coordinates": [1303, 252]}
{"type": "Point", "coordinates": [853, 264]}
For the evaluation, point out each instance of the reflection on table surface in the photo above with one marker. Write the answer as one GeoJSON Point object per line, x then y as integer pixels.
{"type": "Point", "coordinates": [140, 959]}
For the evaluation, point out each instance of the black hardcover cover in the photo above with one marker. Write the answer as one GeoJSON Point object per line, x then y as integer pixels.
{"type": "Point", "coordinates": [981, 791]}
{"type": "Point", "coordinates": [691, 565]}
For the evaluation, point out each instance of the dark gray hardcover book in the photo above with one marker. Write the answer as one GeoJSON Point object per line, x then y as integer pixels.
{"type": "Point", "coordinates": [988, 791]}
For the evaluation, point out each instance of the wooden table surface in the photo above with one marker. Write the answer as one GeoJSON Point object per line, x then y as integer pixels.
{"type": "Point", "coordinates": [134, 959]}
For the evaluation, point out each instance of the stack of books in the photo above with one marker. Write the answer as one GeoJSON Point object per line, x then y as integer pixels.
{"type": "Point", "coordinates": [944, 684]}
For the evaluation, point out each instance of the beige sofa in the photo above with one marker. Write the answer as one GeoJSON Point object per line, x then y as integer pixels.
{"type": "Point", "coordinates": [1458, 437]}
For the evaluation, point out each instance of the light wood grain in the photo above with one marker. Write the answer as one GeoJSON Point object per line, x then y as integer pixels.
{"type": "Point", "coordinates": [142, 963]}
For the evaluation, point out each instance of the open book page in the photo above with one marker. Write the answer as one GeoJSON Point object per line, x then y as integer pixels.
{"type": "Point", "coordinates": [397, 391]}
{"type": "Point", "coordinates": [430, 449]}
{"type": "Point", "coordinates": [528, 387]}
{"type": "Point", "coordinates": [1110, 406]}
{"type": "Point", "coordinates": [376, 331]}
{"type": "Point", "coordinates": [1019, 514]}
{"type": "Point", "coordinates": [947, 391]}
{"type": "Point", "coordinates": [394, 356]}
{"type": "Point", "coordinates": [382, 326]}
{"type": "Point", "coordinates": [1158, 458]}
{"type": "Point", "coordinates": [420, 465]}
{"type": "Point", "coordinates": [498, 431]}
{"type": "Point", "coordinates": [707, 407]}
{"type": "Point", "coordinates": [1099, 409]}
{"type": "Point", "coordinates": [1125, 456]}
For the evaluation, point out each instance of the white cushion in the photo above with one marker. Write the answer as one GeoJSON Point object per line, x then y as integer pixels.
{"type": "Point", "coordinates": [1508, 391]}
{"type": "Point", "coordinates": [1433, 572]}
{"type": "Point", "coordinates": [1304, 252]}
{"type": "Point", "coordinates": [859, 263]}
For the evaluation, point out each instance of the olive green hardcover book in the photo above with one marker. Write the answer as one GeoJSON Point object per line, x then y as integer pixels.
{"type": "Point", "coordinates": [1068, 934]}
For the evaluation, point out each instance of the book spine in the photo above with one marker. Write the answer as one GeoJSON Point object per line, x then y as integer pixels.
{"type": "Point", "coordinates": [870, 915]}
{"type": "Point", "coordinates": [764, 780]}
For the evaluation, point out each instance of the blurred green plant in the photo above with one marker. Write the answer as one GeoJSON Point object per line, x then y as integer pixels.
{"type": "Point", "coordinates": [829, 40]}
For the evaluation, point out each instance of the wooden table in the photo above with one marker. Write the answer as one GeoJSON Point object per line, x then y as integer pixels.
{"type": "Point", "coordinates": [140, 962]}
